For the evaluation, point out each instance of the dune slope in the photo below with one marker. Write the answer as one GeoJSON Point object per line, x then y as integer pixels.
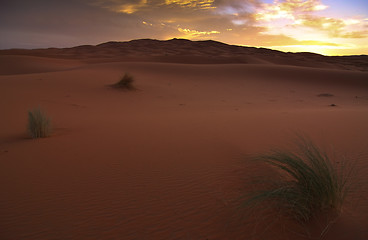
{"type": "Point", "coordinates": [199, 52]}
{"type": "Point", "coordinates": [170, 160]}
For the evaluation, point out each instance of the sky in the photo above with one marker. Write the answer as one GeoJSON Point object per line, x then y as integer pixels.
{"type": "Point", "coordinates": [329, 27]}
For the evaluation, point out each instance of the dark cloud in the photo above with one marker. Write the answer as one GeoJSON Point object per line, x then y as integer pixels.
{"type": "Point", "coordinates": [64, 23]}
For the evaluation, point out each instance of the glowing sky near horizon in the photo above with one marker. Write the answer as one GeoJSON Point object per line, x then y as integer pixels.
{"type": "Point", "coordinates": [330, 27]}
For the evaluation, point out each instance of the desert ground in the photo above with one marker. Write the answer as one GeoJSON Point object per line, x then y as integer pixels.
{"type": "Point", "coordinates": [172, 159]}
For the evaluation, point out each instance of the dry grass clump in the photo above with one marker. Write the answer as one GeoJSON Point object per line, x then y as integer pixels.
{"type": "Point", "coordinates": [39, 125]}
{"type": "Point", "coordinates": [125, 83]}
{"type": "Point", "coordinates": [308, 183]}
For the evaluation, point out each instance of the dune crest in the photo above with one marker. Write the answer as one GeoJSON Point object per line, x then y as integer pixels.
{"type": "Point", "coordinates": [196, 52]}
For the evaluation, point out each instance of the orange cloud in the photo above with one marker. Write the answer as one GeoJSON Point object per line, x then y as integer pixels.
{"type": "Point", "coordinates": [146, 23]}
{"type": "Point", "coordinates": [201, 4]}
{"type": "Point", "coordinates": [355, 34]}
{"type": "Point", "coordinates": [331, 25]}
{"type": "Point", "coordinates": [283, 40]}
{"type": "Point", "coordinates": [190, 34]}
{"type": "Point", "coordinates": [121, 6]}
{"type": "Point", "coordinates": [300, 6]}
{"type": "Point", "coordinates": [334, 27]}
{"type": "Point", "coordinates": [132, 6]}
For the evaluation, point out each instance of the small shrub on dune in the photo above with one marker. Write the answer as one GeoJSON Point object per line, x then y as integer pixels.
{"type": "Point", "coordinates": [125, 83]}
{"type": "Point", "coordinates": [309, 182]}
{"type": "Point", "coordinates": [39, 125]}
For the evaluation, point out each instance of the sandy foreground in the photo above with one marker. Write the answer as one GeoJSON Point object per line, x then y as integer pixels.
{"type": "Point", "coordinates": [170, 160]}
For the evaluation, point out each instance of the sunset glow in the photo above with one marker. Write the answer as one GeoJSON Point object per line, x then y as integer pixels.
{"type": "Point", "coordinates": [322, 26]}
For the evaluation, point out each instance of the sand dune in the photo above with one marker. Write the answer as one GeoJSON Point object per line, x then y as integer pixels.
{"type": "Point", "coordinates": [170, 160]}
{"type": "Point", "coordinates": [186, 51]}
{"type": "Point", "coordinates": [28, 64]}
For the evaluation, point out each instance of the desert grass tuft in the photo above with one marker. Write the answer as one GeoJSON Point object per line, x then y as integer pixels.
{"type": "Point", "coordinates": [307, 183]}
{"type": "Point", "coordinates": [39, 125]}
{"type": "Point", "coordinates": [125, 83]}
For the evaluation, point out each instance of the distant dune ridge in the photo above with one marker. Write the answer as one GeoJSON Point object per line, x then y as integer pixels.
{"type": "Point", "coordinates": [198, 52]}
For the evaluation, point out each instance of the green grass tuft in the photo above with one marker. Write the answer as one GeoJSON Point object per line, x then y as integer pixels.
{"type": "Point", "coordinates": [39, 125]}
{"type": "Point", "coordinates": [307, 183]}
{"type": "Point", "coordinates": [125, 83]}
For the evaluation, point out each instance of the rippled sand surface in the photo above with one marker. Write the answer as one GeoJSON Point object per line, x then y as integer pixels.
{"type": "Point", "coordinates": [171, 159]}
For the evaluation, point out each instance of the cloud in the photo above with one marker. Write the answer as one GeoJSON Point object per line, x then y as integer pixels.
{"type": "Point", "coordinates": [200, 4]}
{"type": "Point", "coordinates": [272, 40]}
{"type": "Point", "coordinates": [127, 7]}
{"type": "Point", "coordinates": [288, 9]}
{"type": "Point", "coordinates": [191, 34]}
{"type": "Point", "coordinates": [299, 6]}
{"type": "Point", "coordinates": [133, 6]}
{"type": "Point", "coordinates": [355, 34]}
{"type": "Point", "coordinates": [303, 13]}
{"type": "Point", "coordinates": [332, 26]}
{"type": "Point", "coordinates": [193, 19]}
{"type": "Point", "coordinates": [338, 28]}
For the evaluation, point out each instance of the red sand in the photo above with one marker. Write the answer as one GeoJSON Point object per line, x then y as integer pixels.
{"type": "Point", "coordinates": [167, 161]}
